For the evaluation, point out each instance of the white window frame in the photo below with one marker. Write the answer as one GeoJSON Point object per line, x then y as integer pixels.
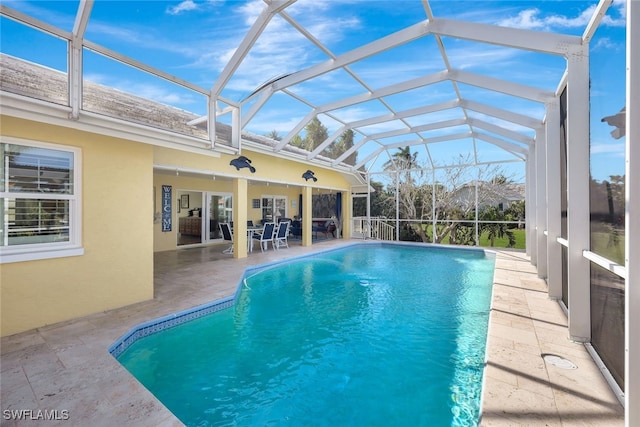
{"type": "Point", "coordinates": [273, 198]}
{"type": "Point", "coordinates": [38, 251]}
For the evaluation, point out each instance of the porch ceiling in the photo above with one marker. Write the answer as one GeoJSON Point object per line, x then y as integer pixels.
{"type": "Point", "coordinates": [200, 174]}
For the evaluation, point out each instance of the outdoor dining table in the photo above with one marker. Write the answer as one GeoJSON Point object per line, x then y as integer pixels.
{"type": "Point", "coordinates": [250, 231]}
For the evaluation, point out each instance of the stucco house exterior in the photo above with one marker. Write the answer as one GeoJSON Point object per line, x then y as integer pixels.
{"type": "Point", "coordinates": [102, 192]}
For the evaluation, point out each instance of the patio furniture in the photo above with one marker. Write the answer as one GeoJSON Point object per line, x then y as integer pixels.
{"type": "Point", "coordinates": [252, 230]}
{"type": "Point", "coordinates": [325, 228]}
{"type": "Point", "coordinates": [227, 235]}
{"type": "Point", "coordinates": [281, 235]}
{"type": "Point", "coordinates": [296, 228]}
{"type": "Point", "coordinates": [266, 236]}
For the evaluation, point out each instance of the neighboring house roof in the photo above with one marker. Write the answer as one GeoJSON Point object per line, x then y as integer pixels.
{"type": "Point", "coordinates": [489, 193]}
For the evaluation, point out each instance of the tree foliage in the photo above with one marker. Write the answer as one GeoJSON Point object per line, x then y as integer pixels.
{"type": "Point", "coordinates": [274, 135]}
{"type": "Point", "coordinates": [316, 133]}
{"type": "Point", "coordinates": [340, 146]}
{"type": "Point", "coordinates": [450, 201]}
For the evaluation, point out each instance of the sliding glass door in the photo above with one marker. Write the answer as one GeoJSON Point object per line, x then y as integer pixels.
{"type": "Point", "coordinates": [199, 214]}
{"type": "Point", "coordinates": [220, 210]}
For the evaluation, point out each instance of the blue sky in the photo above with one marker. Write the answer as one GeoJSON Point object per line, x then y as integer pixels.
{"type": "Point", "coordinates": [194, 40]}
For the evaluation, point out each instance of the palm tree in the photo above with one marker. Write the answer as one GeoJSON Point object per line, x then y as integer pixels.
{"type": "Point", "coordinates": [402, 159]}
{"type": "Point", "coordinates": [274, 135]}
{"type": "Point", "coordinates": [317, 133]}
{"type": "Point", "coordinates": [496, 230]}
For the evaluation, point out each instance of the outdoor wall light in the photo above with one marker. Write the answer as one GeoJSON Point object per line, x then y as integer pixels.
{"type": "Point", "coordinates": [242, 162]}
{"type": "Point", "coordinates": [309, 174]}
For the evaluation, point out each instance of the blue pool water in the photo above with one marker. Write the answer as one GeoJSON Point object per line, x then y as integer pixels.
{"type": "Point", "coordinates": [362, 336]}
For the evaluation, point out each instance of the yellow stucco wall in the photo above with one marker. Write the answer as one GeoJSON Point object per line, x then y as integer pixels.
{"type": "Point", "coordinates": [117, 236]}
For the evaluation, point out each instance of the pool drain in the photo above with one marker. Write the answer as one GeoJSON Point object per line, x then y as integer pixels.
{"type": "Point", "coordinates": [558, 361]}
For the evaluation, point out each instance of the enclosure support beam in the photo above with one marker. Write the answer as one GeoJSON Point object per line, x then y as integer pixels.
{"type": "Point", "coordinates": [632, 220]}
{"type": "Point", "coordinates": [347, 215]}
{"type": "Point", "coordinates": [476, 236]}
{"type": "Point", "coordinates": [433, 206]}
{"type": "Point", "coordinates": [240, 209]}
{"type": "Point", "coordinates": [541, 202]}
{"type": "Point", "coordinates": [397, 185]}
{"type": "Point", "coordinates": [307, 215]}
{"type": "Point", "coordinates": [531, 211]}
{"type": "Point", "coordinates": [75, 57]}
{"type": "Point", "coordinates": [369, 209]}
{"type": "Point", "coordinates": [578, 194]}
{"type": "Point", "coordinates": [554, 211]}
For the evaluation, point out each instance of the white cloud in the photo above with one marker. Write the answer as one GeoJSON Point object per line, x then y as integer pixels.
{"type": "Point", "coordinates": [605, 43]}
{"type": "Point", "coordinates": [527, 19]}
{"type": "Point", "coordinates": [616, 148]}
{"type": "Point", "coordinates": [184, 6]}
{"type": "Point", "coordinates": [533, 19]}
{"type": "Point", "coordinates": [281, 123]}
{"type": "Point", "coordinates": [281, 48]}
{"type": "Point", "coordinates": [619, 6]}
{"type": "Point", "coordinates": [480, 55]}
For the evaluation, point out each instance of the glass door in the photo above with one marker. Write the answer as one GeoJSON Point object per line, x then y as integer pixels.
{"type": "Point", "coordinates": [190, 217]}
{"type": "Point", "coordinates": [220, 210]}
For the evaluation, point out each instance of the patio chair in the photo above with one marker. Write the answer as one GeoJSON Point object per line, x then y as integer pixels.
{"type": "Point", "coordinates": [296, 228]}
{"type": "Point", "coordinates": [327, 228]}
{"type": "Point", "coordinates": [267, 235]}
{"type": "Point", "coordinates": [281, 236]}
{"type": "Point", "coordinates": [227, 235]}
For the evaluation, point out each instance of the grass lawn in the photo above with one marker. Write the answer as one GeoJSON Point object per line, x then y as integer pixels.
{"type": "Point", "coordinates": [601, 244]}
{"type": "Point", "coordinates": [519, 234]}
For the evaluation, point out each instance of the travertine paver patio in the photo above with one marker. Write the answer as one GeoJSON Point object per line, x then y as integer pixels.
{"type": "Point", "coordinates": [520, 388]}
{"type": "Point", "coordinates": [66, 368]}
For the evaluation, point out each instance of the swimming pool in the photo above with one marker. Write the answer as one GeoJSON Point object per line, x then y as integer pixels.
{"type": "Point", "coordinates": [372, 334]}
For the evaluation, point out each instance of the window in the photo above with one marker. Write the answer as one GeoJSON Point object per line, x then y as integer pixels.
{"type": "Point", "coordinates": [39, 200]}
{"type": "Point", "coordinates": [273, 208]}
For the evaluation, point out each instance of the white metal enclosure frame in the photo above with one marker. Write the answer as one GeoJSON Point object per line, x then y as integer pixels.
{"type": "Point", "coordinates": [535, 142]}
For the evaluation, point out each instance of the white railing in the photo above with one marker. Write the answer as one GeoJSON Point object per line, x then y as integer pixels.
{"type": "Point", "coordinates": [380, 230]}
{"type": "Point", "coordinates": [372, 228]}
{"type": "Point", "coordinates": [385, 228]}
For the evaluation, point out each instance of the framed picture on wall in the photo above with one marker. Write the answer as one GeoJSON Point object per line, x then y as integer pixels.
{"type": "Point", "coordinates": [179, 202]}
{"type": "Point", "coordinates": [184, 201]}
{"type": "Point", "coordinates": [256, 203]}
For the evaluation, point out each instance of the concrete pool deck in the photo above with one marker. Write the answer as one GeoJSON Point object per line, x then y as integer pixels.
{"type": "Point", "coordinates": [65, 368]}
